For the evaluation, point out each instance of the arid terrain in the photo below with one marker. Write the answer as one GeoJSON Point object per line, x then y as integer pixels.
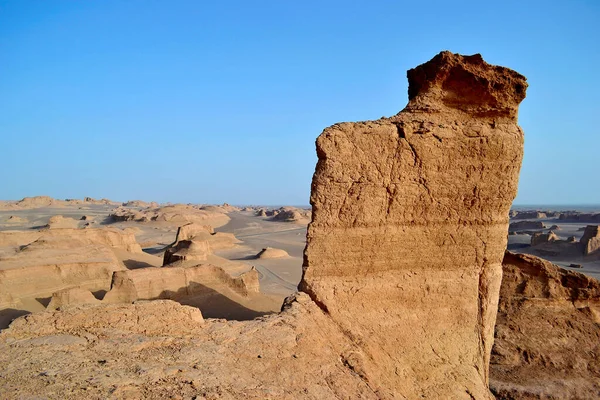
{"type": "Point", "coordinates": [556, 234]}
{"type": "Point", "coordinates": [397, 284]}
{"type": "Point", "coordinates": [60, 239]}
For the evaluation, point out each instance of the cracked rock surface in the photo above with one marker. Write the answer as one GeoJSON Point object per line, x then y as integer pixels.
{"type": "Point", "coordinates": [410, 217]}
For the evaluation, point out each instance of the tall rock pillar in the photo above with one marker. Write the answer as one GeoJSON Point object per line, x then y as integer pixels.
{"type": "Point", "coordinates": [409, 228]}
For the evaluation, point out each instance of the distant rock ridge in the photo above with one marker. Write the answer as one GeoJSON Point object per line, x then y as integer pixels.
{"type": "Point", "coordinates": [409, 227]}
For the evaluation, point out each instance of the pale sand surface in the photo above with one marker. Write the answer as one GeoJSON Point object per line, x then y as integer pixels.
{"type": "Point", "coordinates": [277, 276]}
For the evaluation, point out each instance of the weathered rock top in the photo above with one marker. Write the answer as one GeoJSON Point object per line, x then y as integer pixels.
{"type": "Point", "coordinates": [465, 83]}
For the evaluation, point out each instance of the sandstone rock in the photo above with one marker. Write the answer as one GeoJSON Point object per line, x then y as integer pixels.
{"type": "Point", "coordinates": [270, 252]}
{"type": "Point", "coordinates": [177, 282]}
{"type": "Point", "coordinates": [409, 227]}
{"type": "Point", "coordinates": [590, 241]}
{"type": "Point", "coordinates": [136, 203]}
{"type": "Point", "coordinates": [60, 222]}
{"type": "Point", "coordinates": [191, 230]}
{"type": "Point", "coordinates": [71, 296]}
{"type": "Point", "coordinates": [196, 242]}
{"type": "Point", "coordinates": [156, 318]}
{"type": "Point", "coordinates": [174, 214]}
{"type": "Point", "coordinates": [15, 219]}
{"type": "Point", "coordinates": [575, 216]}
{"type": "Point", "coordinates": [294, 355]}
{"type": "Point", "coordinates": [518, 226]}
{"type": "Point", "coordinates": [187, 250]}
{"type": "Point", "coordinates": [529, 215]}
{"type": "Point", "coordinates": [554, 228]}
{"type": "Point", "coordinates": [571, 239]}
{"type": "Point", "coordinates": [291, 214]}
{"type": "Point", "coordinates": [36, 202]}
{"type": "Point", "coordinates": [547, 332]}
{"type": "Point", "coordinates": [539, 238]}
{"type": "Point", "coordinates": [40, 263]}
{"type": "Point", "coordinates": [72, 238]}
{"type": "Point", "coordinates": [39, 272]}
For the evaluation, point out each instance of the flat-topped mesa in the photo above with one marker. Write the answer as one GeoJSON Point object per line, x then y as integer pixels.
{"type": "Point", "coordinates": [465, 83]}
{"type": "Point", "coordinates": [409, 228]}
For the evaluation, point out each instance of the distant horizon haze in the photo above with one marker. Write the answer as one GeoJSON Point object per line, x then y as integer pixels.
{"type": "Point", "coordinates": [213, 102]}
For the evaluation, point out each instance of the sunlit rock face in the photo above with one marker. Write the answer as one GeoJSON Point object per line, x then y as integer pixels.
{"type": "Point", "coordinates": [409, 227]}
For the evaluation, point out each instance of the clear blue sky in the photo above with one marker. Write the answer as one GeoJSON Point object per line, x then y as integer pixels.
{"type": "Point", "coordinates": [198, 101]}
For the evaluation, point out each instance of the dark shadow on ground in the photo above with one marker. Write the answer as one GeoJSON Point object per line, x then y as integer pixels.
{"type": "Point", "coordinates": [107, 221]}
{"type": "Point", "coordinates": [134, 264]}
{"type": "Point", "coordinates": [154, 250]}
{"type": "Point", "coordinates": [211, 303]}
{"type": "Point", "coordinates": [8, 315]}
{"type": "Point", "coordinates": [251, 257]}
{"type": "Point", "coordinates": [515, 246]}
{"type": "Point", "coordinates": [99, 294]}
{"type": "Point", "coordinates": [44, 300]}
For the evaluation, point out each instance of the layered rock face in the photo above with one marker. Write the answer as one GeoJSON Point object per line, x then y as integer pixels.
{"type": "Point", "coordinates": [590, 241]}
{"type": "Point", "coordinates": [409, 227]}
{"type": "Point", "coordinates": [548, 332]}
{"type": "Point", "coordinates": [541, 238]}
{"type": "Point", "coordinates": [177, 282]}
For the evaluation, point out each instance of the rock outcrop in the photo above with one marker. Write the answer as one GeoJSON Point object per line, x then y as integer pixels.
{"type": "Point", "coordinates": [195, 242]}
{"type": "Point", "coordinates": [187, 250]}
{"type": "Point", "coordinates": [270, 252]}
{"type": "Point", "coordinates": [574, 216]}
{"type": "Point", "coordinates": [176, 282]}
{"type": "Point", "coordinates": [590, 241]}
{"type": "Point", "coordinates": [291, 214]}
{"type": "Point", "coordinates": [521, 225]}
{"type": "Point", "coordinates": [539, 238]}
{"type": "Point", "coordinates": [547, 333]}
{"type": "Point", "coordinates": [174, 214]}
{"type": "Point", "coordinates": [409, 227]}
{"type": "Point", "coordinates": [157, 318]}
{"type": "Point", "coordinates": [60, 222]}
{"type": "Point", "coordinates": [34, 265]}
{"type": "Point", "coordinates": [70, 296]}
{"type": "Point", "coordinates": [529, 215]}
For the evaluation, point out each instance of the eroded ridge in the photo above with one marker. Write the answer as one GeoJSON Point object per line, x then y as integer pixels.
{"type": "Point", "coordinates": [409, 225]}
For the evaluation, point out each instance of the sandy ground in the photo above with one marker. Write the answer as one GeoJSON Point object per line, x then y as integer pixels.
{"type": "Point", "coordinates": [279, 276]}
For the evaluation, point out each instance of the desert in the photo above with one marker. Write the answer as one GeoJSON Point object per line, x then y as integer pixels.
{"type": "Point", "coordinates": [398, 282]}
{"type": "Point", "coordinates": [299, 200]}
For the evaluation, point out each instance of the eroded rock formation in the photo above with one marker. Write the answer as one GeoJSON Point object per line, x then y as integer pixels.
{"type": "Point", "coordinates": [410, 216]}
{"type": "Point", "coordinates": [548, 332]}
{"type": "Point", "coordinates": [403, 262]}
{"type": "Point", "coordinates": [539, 238]}
{"type": "Point", "coordinates": [521, 225]}
{"type": "Point", "coordinates": [590, 241]}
